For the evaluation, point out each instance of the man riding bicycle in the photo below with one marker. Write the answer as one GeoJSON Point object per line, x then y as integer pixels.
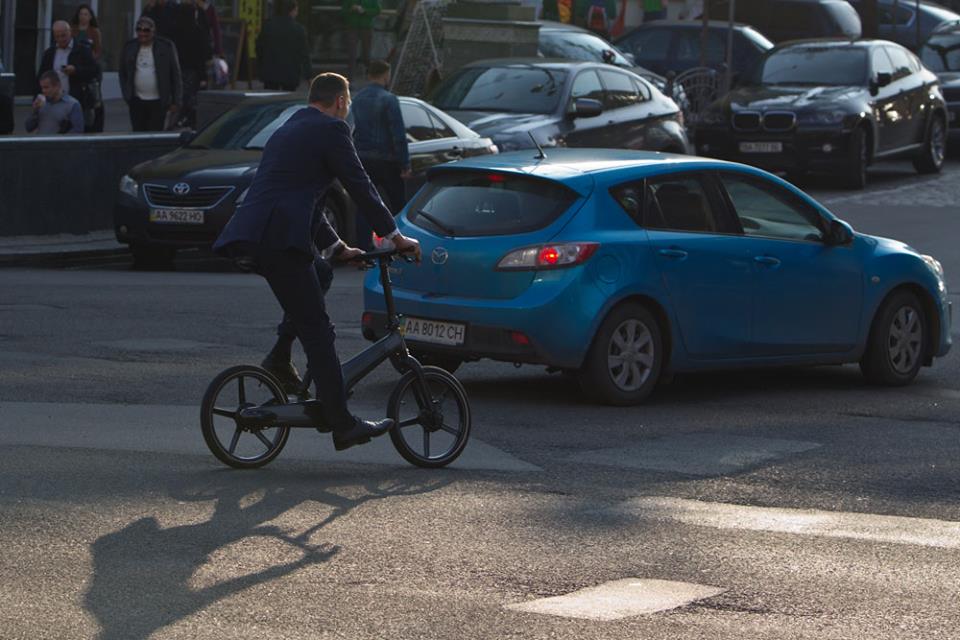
{"type": "Point", "coordinates": [281, 228]}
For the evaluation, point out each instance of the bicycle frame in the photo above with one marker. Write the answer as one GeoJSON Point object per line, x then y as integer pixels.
{"type": "Point", "coordinates": [309, 413]}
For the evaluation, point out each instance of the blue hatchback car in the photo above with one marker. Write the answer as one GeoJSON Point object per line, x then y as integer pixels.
{"type": "Point", "coordinates": [623, 266]}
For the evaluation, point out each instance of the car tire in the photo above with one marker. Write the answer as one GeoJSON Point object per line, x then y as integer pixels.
{"type": "Point", "coordinates": [337, 216]}
{"type": "Point", "coordinates": [857, 156]}
{"type": "Point", "coordinates": [626, 357]}
{"type": "Point", "coordinates": [897, 342]}
{"type": "Point", "coordinates": [934, 151]}
{"type": "Point", "coordinates": [148, 257]}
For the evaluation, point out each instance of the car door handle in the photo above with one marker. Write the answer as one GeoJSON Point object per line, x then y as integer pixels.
{"type": "Point", "coordinates": [453, 154]}
{"type": "Point", "coordinates": [673, 253]}
{"type": "Point", "coordinates": [769, 261]}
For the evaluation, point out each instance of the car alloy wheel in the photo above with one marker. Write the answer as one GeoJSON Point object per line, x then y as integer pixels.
{"type": "Point", "coordinates": [895, 348]}
{"type": "Point", "coordinates": [625, 357]}
{"type": "Point", "coordinates": [630, 355]}
{"type": "Point", "coordinates": [934, 150]}
{"type": "Point", "coordinates": [905, 340]}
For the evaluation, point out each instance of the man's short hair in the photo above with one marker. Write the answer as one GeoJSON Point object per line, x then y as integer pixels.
{"type": "Point", "coordinates": [325, 88]}
{"type": "Point", "coordinates": [377, 68]}
{"type": "Point", "coordinates": [147, 22]}
{"type": "Point", "coordinates": [289, 5]}
{"type": "Point", "coordinates": [50, 76]}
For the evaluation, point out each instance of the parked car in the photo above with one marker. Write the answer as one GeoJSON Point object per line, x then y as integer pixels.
{"type": "Point", "coordinates": [898, 20]}
{"type": "Point", "coordinates": [184, 198]}
{"type": "Point", "coordinates": [941, 54]}
{"type": "Point", "coordinates": [781, 20]}
{"type": "Point", "coordinates": [664, 46]}
{"type": "Point", "coordinates": [626, 266]}
{"type": "Point", "coordinates": [561, 103]}
{"type": "Point", "coordinates": [830, 105]}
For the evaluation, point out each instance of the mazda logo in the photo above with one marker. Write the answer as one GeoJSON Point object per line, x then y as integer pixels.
{"type": "Point", "coordinates": [181, 188]}
{"type": "Point", "coordinates": [439, 256]}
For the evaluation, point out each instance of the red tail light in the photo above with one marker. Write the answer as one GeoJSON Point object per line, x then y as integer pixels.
{"type": "Point", "coordinates": [366, 320]}
{"type": "Point", "coordinates": [548, 256]}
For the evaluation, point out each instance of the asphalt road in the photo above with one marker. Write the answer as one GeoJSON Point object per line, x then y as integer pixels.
{"type": "Point", "coordinates": [776, 504]}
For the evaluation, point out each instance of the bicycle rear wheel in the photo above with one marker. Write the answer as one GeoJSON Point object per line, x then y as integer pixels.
{"type": "Point", "coordinates": [241, 446]}
{"type": "Point", "coordinates": [432, 421]}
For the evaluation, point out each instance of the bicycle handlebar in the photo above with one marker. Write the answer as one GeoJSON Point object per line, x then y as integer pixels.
{"type": "Point", "coordinates": [384, 254]}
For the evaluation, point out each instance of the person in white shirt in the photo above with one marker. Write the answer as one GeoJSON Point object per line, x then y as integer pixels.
{"type": "Point", "coordinates": [150, 78]}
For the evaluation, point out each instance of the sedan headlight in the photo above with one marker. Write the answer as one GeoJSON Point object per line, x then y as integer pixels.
{"type": "Point", "coordinates": [129, 186]}
{"type": "Point", "coordinates": [822, 117]}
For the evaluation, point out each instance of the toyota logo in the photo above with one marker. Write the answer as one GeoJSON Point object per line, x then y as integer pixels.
{"type": "Point", "coordinates": [439, 256]}
{"type": "Point", "coordinates": [181, 188]}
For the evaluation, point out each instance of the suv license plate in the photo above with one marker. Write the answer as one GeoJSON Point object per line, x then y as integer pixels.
{"type": "Point", "coordinates": [420, 330]}
{"type": "Point", "coordinates": [761, 147]}
{"type": "Point", "coordinates": [178, 216]}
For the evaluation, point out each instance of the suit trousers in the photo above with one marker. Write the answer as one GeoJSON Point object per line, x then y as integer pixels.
{"type": "Point", "coordinates": [299, 284]}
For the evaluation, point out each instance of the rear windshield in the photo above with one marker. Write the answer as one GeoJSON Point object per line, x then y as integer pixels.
{"type": "Point", "coordinates": [942, 53]}
{"type": "Point", "coordinates": [508, 89]}
{"type": "Point", "coordinates": [815, 66]}
{"type": "Point", "coordinates": [487, 204]}
{"type": "Point", "coordinates": [245, 127]}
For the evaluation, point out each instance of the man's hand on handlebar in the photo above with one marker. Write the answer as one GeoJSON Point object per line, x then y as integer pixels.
{"type": "Point", "coordinates": [407, 245]}
{"type": "Point", "coordinates": [348, 254]}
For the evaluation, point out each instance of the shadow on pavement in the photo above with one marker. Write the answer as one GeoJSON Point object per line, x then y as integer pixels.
{"type": "Point", "coordinates": [142, 573]}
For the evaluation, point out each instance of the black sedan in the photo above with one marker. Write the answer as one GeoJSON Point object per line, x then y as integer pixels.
{"type": "Point", "coordinates": [561, 103]}
{"type": "Point", "coordinates": [184, 198]}
{"type": "Point", "coordinates": [941, 54]}
{"type": "Point", "coordinates": [675, 45]}
{"type": "Point", "coordinates": [898, 19]}
{"type": "Point", "coordinates": [830, 105]}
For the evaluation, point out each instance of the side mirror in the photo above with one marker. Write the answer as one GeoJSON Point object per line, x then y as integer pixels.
{"type": "Point", "coordinates": [586, 108]}
{"type": "Point", "coordinates": [608, 56]}
{"type": "Point", "coordinates": [186, 137]}
{"type": "Point", "coordinates": [839, 234]}
{"type": "Point", "coordinates": [883, 79]}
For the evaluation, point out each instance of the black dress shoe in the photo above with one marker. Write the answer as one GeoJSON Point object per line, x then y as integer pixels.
{"type": "Point", "coordinates": [287, 375]}
{"type": "Point", "coordinates": [360, 432]}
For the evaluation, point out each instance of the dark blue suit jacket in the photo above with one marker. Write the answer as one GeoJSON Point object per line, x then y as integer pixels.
{"type": "Point", "coordinates": [283, 208]}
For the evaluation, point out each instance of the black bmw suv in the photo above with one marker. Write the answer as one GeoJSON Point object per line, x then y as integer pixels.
{"type": "Point", "coordinates": [831, 105]}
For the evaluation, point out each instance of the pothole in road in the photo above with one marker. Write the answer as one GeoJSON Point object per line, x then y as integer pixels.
{"type": "Point", "coordinates": [620, 599]}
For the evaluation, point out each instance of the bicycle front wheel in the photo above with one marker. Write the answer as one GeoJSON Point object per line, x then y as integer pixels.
{"type": "Point", "coordinates": [239, 446]}
{"type": "Point", "coordinates": [432, 418]}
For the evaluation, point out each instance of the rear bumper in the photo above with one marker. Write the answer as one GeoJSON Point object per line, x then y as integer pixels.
{"type": "Point", "coordinates": [131, 225]}
{"type": "Point", "coordinates": [557, 314]}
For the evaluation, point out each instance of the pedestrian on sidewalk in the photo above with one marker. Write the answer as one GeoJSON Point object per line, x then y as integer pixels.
{"type": "Point", "coordinates": [653, 10]}
{"type": "Point", "coordinates": [192, 39]}
{"type": "Point", "coordinates": [54, 111]}
{"type": "Point", "coordinates": [358, 18]}
{"type": "Point", "coordinates": [150, 78]}
{"type": "Point", "coordinates": [72, 60]}
{"type": "Point", "coordinates": [84, 28]}
{"type": "Point", "coordinates": [381, 141]}
{"type": "Point", "coordinates": [164, 16]}
{"type": "Point", "coordinates": [283, 55]}
{"type": "Point", "coordinates": [213, 22]}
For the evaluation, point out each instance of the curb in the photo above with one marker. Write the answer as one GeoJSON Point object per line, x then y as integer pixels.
{"type": "Point", "coordinates": [12, 259]}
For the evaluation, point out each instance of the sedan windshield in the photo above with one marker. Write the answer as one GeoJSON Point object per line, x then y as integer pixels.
{"type": "Point", "coordinates": [818, 66]}
{"type": "Point", "coordinates": [508, 89]}
{"type": "Point", "coordinates": [246, 127]}
{"type": "Point", "coordinates": [942, 53]}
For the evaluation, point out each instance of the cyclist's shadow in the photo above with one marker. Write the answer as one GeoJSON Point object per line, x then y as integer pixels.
{"type": "Point", "coordinates": [142, 573]}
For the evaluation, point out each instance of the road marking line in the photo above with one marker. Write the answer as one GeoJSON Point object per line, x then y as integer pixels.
{"type": "Point", "coordinates": [619, 599]}
{"type": "Point", "coordinates": [698, 454]}
{"type": "Point", "coordinates": [176, 429]}
{"type": "Point", "coordinates": [831, 524]}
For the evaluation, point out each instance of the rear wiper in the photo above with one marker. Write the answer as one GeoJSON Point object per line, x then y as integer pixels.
{"type": "Point", "coordinates": [447, 230]}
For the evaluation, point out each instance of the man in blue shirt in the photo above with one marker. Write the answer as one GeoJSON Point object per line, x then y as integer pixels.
{"type": "Point", "coordinates": [54, 111]}
{"type": "Point", "coordinates": [381, 140]}
{"type": "Point", "coordinates": [281, 227]}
